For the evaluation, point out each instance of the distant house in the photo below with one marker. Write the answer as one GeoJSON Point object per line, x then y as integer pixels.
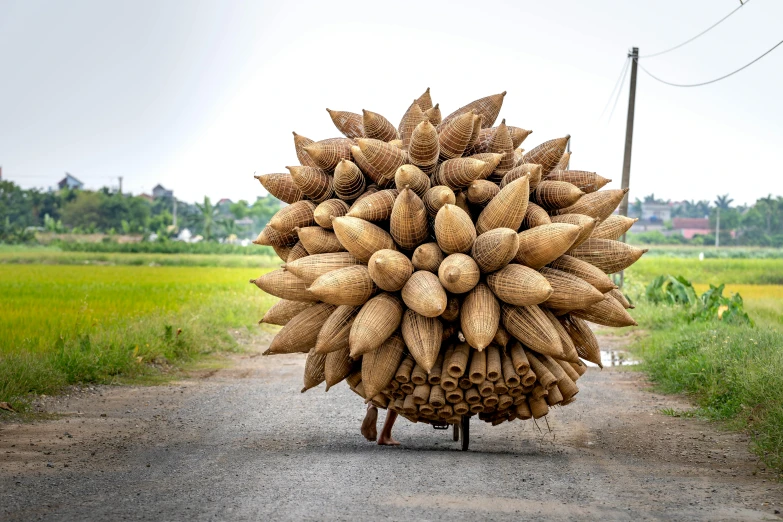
{"type": "Point", "coordinates": [656, 212]}
{"type": "Point", "coordinates": [690, 227]}
{"type": "Point", "coordinates": [161, 192]}
{"type": "Point", "coordinates": [147, 197]}
{"type": "Point", "coordinates": [69, 182]}
{"type": "Point", "coordinates": [224, 204]}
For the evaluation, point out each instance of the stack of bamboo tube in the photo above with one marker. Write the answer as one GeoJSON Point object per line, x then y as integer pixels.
{"type": "Point", "coordinates": [441, 270]}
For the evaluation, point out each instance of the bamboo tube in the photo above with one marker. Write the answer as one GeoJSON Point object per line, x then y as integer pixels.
{"type": "Point", "coordinates": [478, 367]}
{"type": "Point", "coordinates": [314, 370]}
{"type": "Point", "coordinates": [283, 311]}
{"type": "Point", "coordinates": [586, 222]}
{"type": "Point", "coordinates": [613, 227]}
{"type": "Point", "coordinates": [380, 401]}
{"type": "Point", "coordinates": [608, 255]}
{"type": "Point", "coordinates": [481, 191]}
{"type": "Point", "coordinates": [454, 135]}
{"type": "Point", "coordinates": [490, 401]}
{"type": "Point", "coordinates": [310, 268]}
{"type": "Point", "coordinates": [535, 216]}
{"type": "Point", "coordinates": [377, 127]}
{"type": "Point", "coordinates": [538, 391]}
{"type": "Point", "coordinates": [426, 409]}
{"type": "Point", "coordinates": [569, 292]}
{"type": "Point", "coordinates": [519, 285]}
{"type": "Point", "coordinates": [458, 273]}
{"type": "Point", "coordinates": [398, 404]}
{"type": "Point", "coordinates": [556, 194]}
{"type": "Point", "coordinates": [317, 240]}
{"type": "Point", "coordinates": [584, 339]}
{"type": "Point", "coordinates": [361, 238]}
{"type": "Point", "coordinates": [375, 207]}
{"type": "Point", "coordinates": [421, 394]}
{"type": "Point", "coordinates": [584, 271]}
{"type": "Point", "coordinates": [476, 408]}
{"type": "Point", "coordinates": [486, 388]}
{"type": "Point", "coordinates": [458, 362]}
{"type": "Point", "coordinates": [403, 373]}
{"type": "Point", "coordinates": [531, 324]}
{"type": "Point", "coordinates": [505, 401]}
{"type": "Point", "coordinates": [299, 335]}
{"type": "Point", "coordinates": [569, 401]}
{"type": "Point", "coordinates": [436, 197]}
{"type": "Point", "coordinates": [337, 366]}
{"type": "Point", "coordinates": [566, 366]}
{"type": "Point", "coordinates": [410, 120]}
{"type": "Point", "coordinates": [427, 257]}
{"type": "Point", "coordinates": [608, 312]}
{"type": "Point", "coordinates": [472, 396]}
{"type": "Point", "coordinates": [523, 411]}
{"type": "Point", "coordinates": [586, 181]}
{"type": "Point", "coordinates": [488, 107]}
{"type": "Point", "coordinates": [599, 204]}
{"type": "Point", "coordinates": [348, 123]}
{"type": "Point", "coordinates": [454, 230]}
{"type": "Point", "coordinates": [453, 304]}
{"type": "Point", "coordinates": [434, 377]}
{"type": "Point", "coordinates": [544, 375]}
{"type": "Point", "coordinates": [454, 396]}
{"type": "Point", "coordinates": [543, 244]}
{"type": "Point", "coordinates": [447, 382]}
{"type": "Point", "coordinates": [507, 209]}
{"type": "Point", "coordinates": [528, 380]}
{"type": "Point", "coordinates": [547, 154]}
{"type": "Point", "coordinates": [331, 207]}
{"type": "Point", "coordinates": [375, 322]}
{"type": "Point", "coordinates": [424, 294]}
{"type": "Point", "coordinates": [327, 153]}
{"type": "Point", "coordinates": [494, 369]}
{"type": "Point", "coordinates": [379, 160]}
{"type": "Point", "coordinates": [567, 387]}
{"type": "Point", "coordinates": [389, 269]}
{"type": "Point", "coordinates": [424, 148]}
{"type": "Point", "coordinates": [351, 285]}
{"type": "Point", "coordinates": [464, 382]}
{"type": "Point", "coordinates": [433, 115]}
{"type": "Point", "coordinates": [519, 358]}
{"type": "Point", "coordinates": [349, 182]}
{"type": "Point", "coordinates": [495, 249]}
{"type": "Point", "coordinates": [407, 388]}
{"type": "Point", "coordinates": [281, 186]}
{"type": "Point", "coordinates": [445, 412]}
{"type": "Point", "coordinates": [510, 375]}
{"type": "Point", "coordinates": [299, 214]}
{"type": "Point", "coordinates": [423, 337]}
{"type": "Point", "coordinates": [418, 374]}
{"type": "Point", "coordinates": [502, 337]}
{"type": "Point", "coordinates": [554, 397]}
{"type": "Point", "coordinates": [480, 317]}
{"type": "Point", "coordinates": [409, 224]}
{"type": "Point", "coordinates": [412, 177]}
{"type": "Point", "coordinates": [333, 335]}
{"type": "Point", "coordinates": [314, 183]}
{"type": "Point", "coordinates": [515, 391]}
{"type": "Point", "coordinates": [461, 408]}
{"type": "Point", "coordinates": [408, 406]}
{"type": "Point", "coordinates": [437, 397]}
{"type": "Point", "coordinates": [501, 387]}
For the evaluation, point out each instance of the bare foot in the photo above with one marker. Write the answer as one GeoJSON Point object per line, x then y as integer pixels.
{"type": "Point", "coordinates": [386, 440]}
{"type": "Point", "coordinates": [369, 430]}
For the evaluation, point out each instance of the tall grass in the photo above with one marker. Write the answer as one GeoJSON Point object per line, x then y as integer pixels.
{"type": "Point", "coordinates": [52, 256]}
{"type": "Point", "coordinates": [70, 324]}
{"type": "Point", "coordinates": [739, 271]}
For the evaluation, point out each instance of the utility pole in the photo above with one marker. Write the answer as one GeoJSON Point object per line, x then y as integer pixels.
{"type": "Point", "coordinates": [626, 180]}
{"type": "Point", "coordinates": [120, 178]}
{"type": "Point", "coordinates": [717, 229]}
{"type": "Point", "coordinates": [174, 213]}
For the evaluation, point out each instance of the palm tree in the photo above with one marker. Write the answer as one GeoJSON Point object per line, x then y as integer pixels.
{"type": "Point", "coordinates": [723, 202]}
{"type": "Point", "coordinates": [208, 214]}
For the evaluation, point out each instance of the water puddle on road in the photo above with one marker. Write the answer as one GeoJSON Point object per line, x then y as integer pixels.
{"type": "Point", "coordinates": [614, 358]}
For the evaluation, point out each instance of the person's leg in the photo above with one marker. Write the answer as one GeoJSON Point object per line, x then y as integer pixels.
{"type": "Point", "coordinates": [386, 439]}
{"type": "Point", "coordinates": [369, 430]}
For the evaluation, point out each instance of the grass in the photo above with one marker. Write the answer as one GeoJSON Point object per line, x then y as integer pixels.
{"type": "Point", "coordinates": [54, 256]}
{"type": "Point", "coordinates": [737, 271]}
{"type": "Point", "coordinates": [77, 324]}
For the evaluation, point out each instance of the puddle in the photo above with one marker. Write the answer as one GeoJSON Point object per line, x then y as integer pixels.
{"type": "Point", "coordinates": [614, 358]}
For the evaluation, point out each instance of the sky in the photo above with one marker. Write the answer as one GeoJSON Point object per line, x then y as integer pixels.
{"type": "Point", "coordinates": [200, 95]}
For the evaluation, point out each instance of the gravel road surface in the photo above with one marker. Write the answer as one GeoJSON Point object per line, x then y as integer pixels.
{"type": "Point", "coordinates": [243, 444]}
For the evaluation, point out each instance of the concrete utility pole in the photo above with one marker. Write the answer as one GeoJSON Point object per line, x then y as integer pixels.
{"type": "Point", "coordinates": [626, 180]}
{"type": "Point", "coordinates": [120, 178]}
{"type": "Point", "coordinates": [717, 229]}
{"type": "Point", "coordinates": [174, 212]}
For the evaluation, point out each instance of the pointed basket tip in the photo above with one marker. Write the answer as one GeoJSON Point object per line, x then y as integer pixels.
{"type": "Point", "coordinates": [645, 250]}
{"type": "Point", "coordinates": [252, 281]}
{"type": "Point", "coordinates": [625, 190]}
{"type": "Point", "coordinates": [503, 93]}
{"type": "Point", "coordinates": [304, 389]}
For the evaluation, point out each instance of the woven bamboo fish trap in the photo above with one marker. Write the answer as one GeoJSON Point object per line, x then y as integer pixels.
{"type": "Point", "coordinates": [441, 270]}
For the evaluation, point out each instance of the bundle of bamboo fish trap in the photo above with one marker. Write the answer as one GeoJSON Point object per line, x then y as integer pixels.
{"type": "Point", "coordinates": [440, 269]}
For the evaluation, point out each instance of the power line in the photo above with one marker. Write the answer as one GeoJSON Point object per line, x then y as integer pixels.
{"type": "Point", "coordinates": [620, 79]}
{"type": "Point", "coordinates": [698, 35]}
{"type": "Point", "coordinates": [711, 81]}
{"type": "Point", "coordinates": [619, 91]}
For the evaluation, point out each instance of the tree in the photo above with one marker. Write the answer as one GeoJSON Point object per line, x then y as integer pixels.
{"type": "Point", "coordinates": [208, 215]}
{"type": "Point", "coordinates": [240, 209]}
{"type": "Point", "coordinates": [723, 202]}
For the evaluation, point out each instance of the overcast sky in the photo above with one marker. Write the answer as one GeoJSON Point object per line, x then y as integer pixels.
{"type": "Point", "coordinates": [199, 95]}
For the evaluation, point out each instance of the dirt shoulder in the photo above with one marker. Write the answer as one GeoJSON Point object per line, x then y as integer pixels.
{"type": "Point", "coordinates": [242, 443]}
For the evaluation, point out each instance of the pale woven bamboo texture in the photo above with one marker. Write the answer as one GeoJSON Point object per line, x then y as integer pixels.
{"type": "Point", "coordinates": [617, 294]}
{"type": "Point", "coordinates": [424, 294]}
{"type": "Point", "coordinates": [535, 216]}
{"type": "Point", "coordinates": [458, 273]}
{"type": "Point", "coordinates": [384, 160]}
{"type": "Point", "coordinates": [298, 251]}
{"type": "Point", "coordinates": [585, 271]}
{"type": "Point", "coordinates": [283, 311]}
{"type": "Point", "coordinates": [480, 317]}
{"type": "Point", "coordinates": [269, 237]}
{"type": "Point", "coordinates": [314, 370]}
{"type": "Point", "coordinates": [328, 153]}
{"type": "Point", "coordinates": [317, 240]}
{"type": "Point", "coordinates": [375, 322]}
{"type": "Point", "coordinates": [390, 269]}
{"type": "Point", "coordinates": [314, 183]}
{"type": "Point", "coordinates": [495, 249]}
{"type": "Point", "coordinates": [531, 326]}
{"type": "Point", "coordinates": [300, 142]}
{"type": "Point", "coordinates": [408, 223]}
{"type": "Point", "coordinates": [556, 194]}
{"type": "Point", "coordinates": [488, 107]}
{"type": "Point", "coordinates": [519, 285]}
{"type": "Point", "coordinates": [281, 186]}
{"type": "Point", "coordinates": [412, 117]}
{"type": "Point", "coordinates": [501, 143]}
{"type": "Point", "coordinates": [422, 336]}
{"type": "Point", "coordinates": [348, 123]}
{"type": "Point", "coordinates": [547, 154]}
{"type": "Point", "coordinates": [324, 212]}
{"type": "Point", "coordinates": [424, 148]}
{"type": "Point", "coordinates": [333, 335]}
{"type": "Point", "coordinates": [481, 191]}
{"type": "Point", "coordinates": [351, 285]}
{"type": "Point", "coordinates": [379, 366]}
{"type": "Point", "coordinates": [377, 127]}
{"type": "Point", "coordinates": [543, 244]}
{"type": "Point", "coordinates": [459, 173]}
{"type": "Point", "coordinates": [608, 312]}
{"type": "Point", "coordinates": [454, 230]}
{"type": "Point", "coordinates": [569, 292]}
{"type": "Point", "coordinates": [492, 160]}
{"type": "Point", "coordinates": [613, 227]}
{"type": "Point", "coordinates": [436, 197]}
{"type": "Point", "coordinates": [412, 177]}
{"type": "Point", "coordinates": [337, 367]}
{"type": "Point", "coordinates": [427, 257]}
{"type": "Point", "coordinates": [375, 207]}
{"type": "Point", "coordinates": [454, 135]}
{"type": "Point", "coordinates": [433, 115]}
{"type": "Point", "coordinates": [607, 255]}
{"type": "Point", "coordinates": [583, 338]}
{"type": "Point", "coordinates": [361, 238]}
{"type": "Point", "coordinates": [301, 332]}
{"type": "Point", "coordinates": [349, 182]}
{"type": "Point", "coordinates": [299, 214]}
{"type": "Point", "coordinates": [507, 209]}
{"type": "Point", "coordinates": [310, 268]}
{"type": "Point", "coordinates": [599, 204]}
{"type": "Point", "coordinates": [284, 285]}
{"type": "Point", "coordinates": [587, 224]}
{"type": "Point", "coordinates": [569, 350]}
{"type": "Point", "coordinates": [564, 162]}
{"type": "Point", "coordinates": [588, 182]}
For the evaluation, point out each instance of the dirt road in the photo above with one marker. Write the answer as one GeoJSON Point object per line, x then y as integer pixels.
{"type": "Point", "coordinates": [243, 444]}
